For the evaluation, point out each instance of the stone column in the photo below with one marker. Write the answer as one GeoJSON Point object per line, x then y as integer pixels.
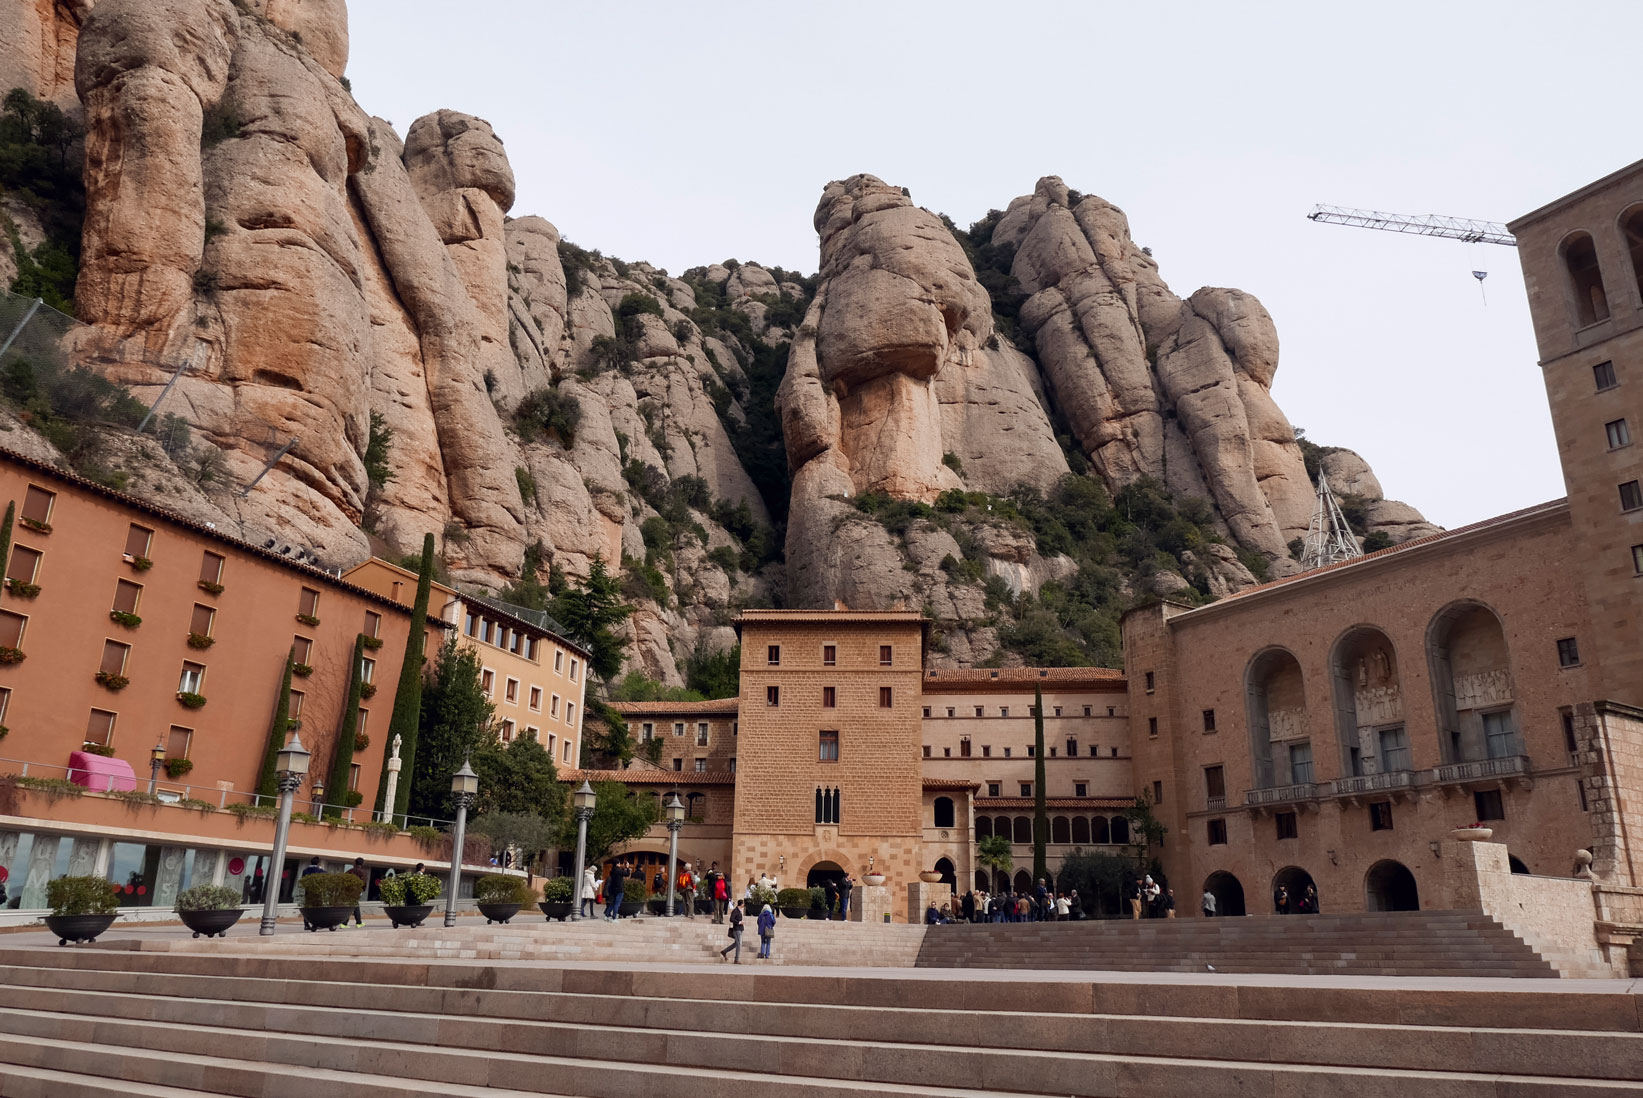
{"type": "Point", "coordinates": [919, 896]}
{"type": "Point", "coordinates": [871, 904]}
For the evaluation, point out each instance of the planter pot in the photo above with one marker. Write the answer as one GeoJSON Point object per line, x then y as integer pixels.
{"type": "Point", "coordinates": [1472, 834]}
{"type": "Point", "coordinates": [499, 913]}
{"type": "Point", "coordinates": [556, 909]}
{"type": "Point", "coordinates": [874, 879]}
{"type": "Point", "coordinates": [629, 908]}
{"type": "Point", "coordinates": [657, 907]}
{"type": "Point", "coordinates": [77, 928]}
{"type": "Point", "coordinates": [213, 924]}
{"type": "Point", "coordinates": [930, 877]}
{"type": "Point", "coordinates": [794, 912]}
{"type": "Point", "coordinates": [324, 918]}
{"type": "Point", "coordinates": [704, 907]}
{"type": "Point", "coordinates": [410, 915]}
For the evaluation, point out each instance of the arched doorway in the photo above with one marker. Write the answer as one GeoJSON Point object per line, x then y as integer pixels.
{"type": "Point", "coordinates": [982, 880]}
{"type": "Point", "coordinates": [1516, 864]}
{"type": "Point", "coordinates": [1023, 881]}
{"type": "Point", "coordinates": [949, 876]}
{"type": "Point", "coordinates": [1389, 886]}
{"type": "Point", "coordinates": [1293, 881]}
{"type": "Point", "coordinates": [984, 827]}
{"type": "Point", "coordinates": [1060, 830]}
{"type": "Point", "coordinates": [1280, 745]}
{"type": "Point", "coordinates": [1023, 830]}
{"type": "Point", "coordinates": [1120, 830]}
{"type": "Point", "coordinates": [823, 871]}
{"type": "Point", "coordinates": [1368, 697]}
{"type": "Point", "coordinates": [1228, 892]}
{"type": "Point", "coordinates": [1471, 684]}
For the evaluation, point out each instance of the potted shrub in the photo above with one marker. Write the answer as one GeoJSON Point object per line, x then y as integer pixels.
{"type": "Point", "coordinates": [408, 898]}
{"type": "Point", "coordinates": [793, 902]}
{"type": "Point", "coordinates": [762, 895]}
{"type": "Point", "coordinates": [209, 909]}
{"type": "Point", "coordinates": [499, 896]}
{"type": "Point", "coordinates": [81, 908]}
{"type": "Point", "coordinates": [328, 899]}
{"type": "Point", "coordinates": [634, 892]}
{"type": "Point", "coordinates": [558, 898]}
{"type": "Point", "coordinates": [818, 902]}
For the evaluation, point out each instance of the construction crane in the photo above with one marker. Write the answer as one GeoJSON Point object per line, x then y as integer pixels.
{"type": "Point", "coordinates": [1453, 228]}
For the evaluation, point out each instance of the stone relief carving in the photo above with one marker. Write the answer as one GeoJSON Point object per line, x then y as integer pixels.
{"type": "Point", "coordinates": [1286, 724]}
{"type": "Point", "coordinates": [1379, 705]}
{"type": "Point", "coordinates": [1483, 688]}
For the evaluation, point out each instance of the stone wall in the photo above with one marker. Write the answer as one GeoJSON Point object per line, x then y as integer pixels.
{"type": "Point", "coordinates": [1554, 915]}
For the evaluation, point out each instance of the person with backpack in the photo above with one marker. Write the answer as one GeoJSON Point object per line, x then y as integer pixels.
{"type": "Point", "coordinates": [767, 931]}
{"type": "Point", "coordinates": [734, 933]}
{"type": "Point", "coordinates": [687, 890]}
{"type": "Point", "coordinates": [613, 892]}
{"type": "Point", "coordinates": [721, 893]}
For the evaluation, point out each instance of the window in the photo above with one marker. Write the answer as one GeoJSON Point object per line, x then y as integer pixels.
{"type": "Point", "coordinates": [1115, 752]}
{"type": "Point", "coordinates": [127, 595]}
{"type": "Point", "coordinates": [927, 712]}
{"type": "Point", "coordinates": [827, 805]}
{"type": "Point", "coordinates": [964, 747]}
{"type": "Point", "coordinates": [1110, 711]}
{"type": "Point", "coordinates": [530, 649]}
{"type": "Point", "coordinates": [830, 697]}
{"type": "Point", "coordinates": [986, 750]}
{"type": "Point", "coordinates": [1209, 720]}
{"type": "Point", "coordinates": [1288, 826]}
{"type": "Point", "coordinates": [302, 650]}
{"type": "Point", "coordinates": [830, 655]}
{"type": "Point", "coordinates": [733, 764]}
{"type": "Point", "coordinates": [1568, 652]}
{"type": "Point", "coordinates": [536, 699]}
{"type": "Point", "coordinates": [211, 568]}
{"type": "Point", "coordinates": [647, 731]}
{"type": "Point", "coordinates": [1603, 374]}
{"type": "Point", "coordinates": [507, 731]}
{"type": "Point", "coordinates": [553, 707]}
{"type": "Point", "coordinates": [573, 670]}
{"type": "Point", "coordinates": [1569, 743]}
{"type": "Point", "coordinates": [100, 728]}
{"type": "Point", "coordinates": [24, 566]}
{"type": "Point", "coordinates": [139, 539]}
{"type": "Point", "coordinates": [828, 751]}
{"type": "Point", "coordinates": [570, 714]}
{"type": "Point", "coordinates": [1631, 496]}
{"type": "Point", "coordinates": [1489, 805]}
{"type": "Point", "coordinates": [37, 504]}
{"type": "Point", "coordinates": [1498, 739]}
{"type": "Point", "coordinates": [678, 764]}
{"type": "Point", "coordinates": [1585, 280]}
{"type": "Point", "coordinates": [486, 629]}
{"type": "Point", "coordinates": [1637, 559]}
{"type": "Point", "coordinates": [1380, 816]}
{"type": "Point", "coordinates": [701, 733]}
{"type": "Point", "coordinates": [1617, 433]}
{"type": "Point", "coordinates": [1580, 788]}
{"type": "Point", "coordinates": [192, 679]}
{"type": "Point", "coordinates": [1394, 744]}
{"type": "Point", "coordinates": [885, 655]}
{"type": "Point", "coordinates": [362, 718]}
{"type": "Point", "coordinates": [1026, 789]}
{"type": "Point", "coordinates": [1149, 682]}
{"type": "Point", "coordinates": [1081, 789]}
{"type": "Point", "coordinates": [470, 623]}
{"type": "Point", "coordinates": [1087, 711]}
{"type": "Point", "coordinates": [1006, 752]}
{"type": "Point", "coordinates": [992, 789]}
{"type": "Point", "coordinates": [1217, 833]}
{"type": "Point", "coordinates": [1058, 711]}
{"type": "Point", "coordinates": [558, 662]}
{"type": "Point", "coordinates": [1215, 782]}
{"type": "Point", "coordinates": [1152, 726]}
{"type": "Point", "coordinates": [565, 751]}
{"type": "Point", "coordinates": [678, 728]}
{"type": "Point", "coordinates": [373, 624]}
{"type": "Point", "coordinates": [199, 622]}
{"type": "Point", "coordinates": [1300, 763]}
{"type": "Point", "coordinates": [772, 695]}
{"type": "Point", "coordinates": [308, 603]}
{"type": "Point", "coordinates": [510, 691]}
{"type": "Point", "coordinates": [114, 657]}
{"type": "Point", "coordinates": [297, 698]}
{"type": "Point", "coordinates": [773, 655]}
{"type": "Point", "coordinates": [1072, 749]}
{"type": "Point", "coordinates": [1157, 792]}
{"type": "Point", "coordinates": [353, 776]}
{"type": "Point", "coordinates": [701, 766]}
{"type": "Point", "coordinates": [886, 697]}
{"type": "Point", "coordinates": [1032, 750]}
{"type": "Point", "coordinates": [487, 682]}
{"type": "Point", "coordinates": [1004, 711]}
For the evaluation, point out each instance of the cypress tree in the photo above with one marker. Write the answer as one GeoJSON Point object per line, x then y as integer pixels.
{"type": "Point", "coordinates": [268, 778]}
{"type": "Point", "coordinates": [1041, 812]}
{"type": "Point", "coordinates": [344, 756]}
{"type": "Point", "coordinates": [5, 534]}
{"type": "Point", "coordinates": [407, 713]}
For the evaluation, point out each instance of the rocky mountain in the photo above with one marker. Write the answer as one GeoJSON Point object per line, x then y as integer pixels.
{"type": "Point", "coordinates": [943, 418]}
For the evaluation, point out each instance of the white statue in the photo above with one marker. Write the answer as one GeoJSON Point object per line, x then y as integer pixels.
{"type": "Point", "coordinates": [388, 794]}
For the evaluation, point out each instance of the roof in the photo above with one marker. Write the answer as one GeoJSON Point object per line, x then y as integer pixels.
{"type": "Point", "coordinates": [136, 503]}
{"type": "Point", "coordinates": [1330, 571]}
{"type": "Point", "coordinates": [721, 706]}
{"type": "Point", "coordinates": [909, 617]}
{"type": "Point", "coordinates": [965, 679]}
{"type": "Point", "coordinates": [650, 777]}
{"type": "Point", "coordinates": [1055, 802]}
{"type": "Point", "coordinates": [951, 783]}
{"type": "Point", "coordinates": [1573, 196]}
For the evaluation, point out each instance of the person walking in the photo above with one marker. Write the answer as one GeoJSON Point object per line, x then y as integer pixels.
{"type": "Point", "coordinates": [830, 892]}
{"type": "Point", "coordinates": [846, 887]}
{"type": "Point", "coordinates": [734, 933]}
{"type": "Point", "coordinates": [1208, 904]}
{"type": "Point", "coordinates": [359, 871]}
{"type": "Point", "coordinates": [1132, 893]}
{"type": "Point", "coordinates": [767, 931]}
{"type": "Point", "coordinates": [1169, 904]}
{"type": "Point", "coordinates": [687, 890]}
{"type": "Point", "coordinates": [590, 889]}
{"type": "Point", "coordinates": [613, 892]}
{"type": "Point", "coordinates": [721, 893]}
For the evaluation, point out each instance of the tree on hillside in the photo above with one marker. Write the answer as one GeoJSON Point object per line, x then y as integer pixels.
{"type": "Point", "coordinates": [278, 725]}
{"type": "Point", "coordinates": [715, 674]}
{"type": "Point", "coordinates": [455, 721]}
{"type": "Point", "coordinates": [590, 613]}
{"type": "Point", "coordinates": [407, 714]}
{"type": "Point", "coordinates": [1041, 814]}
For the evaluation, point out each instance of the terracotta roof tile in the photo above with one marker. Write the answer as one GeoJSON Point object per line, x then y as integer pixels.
{"type": "Point", "coordinates": [1108, 803]}
{"type": "Point", "coordinates": [650, 777]}
{"type": "Point", "coordinates": [693, 708]}
{"type": "Point", "coordinates": [951, 783]}
{"type": "Point", "coordinates": [1027, 675]}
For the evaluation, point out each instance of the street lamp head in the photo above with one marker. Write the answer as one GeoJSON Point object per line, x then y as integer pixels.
{"type": "Point", "coordinates": [675, 807]}
{"type": "Point", "coordinates": [585, 798]}
{"type": "Point", "coordinates": [465, 782]}
{"type": "Point", "coordinates": [293, 757]}
{"type": "Point", "coordinates": [319, 790]}
{"type": "Point", "coordinates": [158, 754]}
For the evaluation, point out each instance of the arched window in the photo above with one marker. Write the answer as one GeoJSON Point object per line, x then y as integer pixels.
{"type": "Point", "coordinates": [1631, 230]}
{"type": "Point", "coordinates": [1060, 832]}
{"type": "Point", "coordinates": [1120, 829]}
{"type": "Point", "coordinates": [984, 829]}
{"type": "Point", "coordinates": [1098, 830]}
{"type": "Point", "coordinates": [1368, 696]}
{"type": "Point", "coordinates": [1023, 881]}
{"type": "Point", "coordinates": [827, 805]}
{"type": "Point", "coordinates": [1591, 301]}
{"type": "Point", "coordinates": [1023, 829]}
{"type": "Point", "coordinates": [1001, 826]}
{"type": "Point", "coordinates": [944, 812]}
{"type": "Point", "coordinates": [949, 877]}
{"type": "Point", "coordinates": [1280, 744]}
{"type": "Point", "coordinates": [1471, 677]}
{"type": "Point", "coordinates": [1080, 830]}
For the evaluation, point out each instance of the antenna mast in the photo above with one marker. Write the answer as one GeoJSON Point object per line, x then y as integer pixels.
{"type": "Point", "coordinates": [1329, 539]}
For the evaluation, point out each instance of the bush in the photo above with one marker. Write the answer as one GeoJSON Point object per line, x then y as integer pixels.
{"type": "Point", "coordinates": [502, 888]}
{"type": "Point", "coordinates": [547, 412]}
{"type": "Point", "coordinates": [208, 898]}
{"type": "Point", "coordinates": [635, 890]}
{"type": "Point", "coordinates": [763, 894]}
{"type": "Point", "coordinates": [410, 889]}
{"type": "Point", "coordinates": [559, 890]}
{"type": "Point", "coordinates": [793, 897]}
{"type": "Point", "coordinates": [81, 896]}
{"type": "Point", "coordinates": [424, 834]}
{"type": "Point", "coordinates": [329, 890]}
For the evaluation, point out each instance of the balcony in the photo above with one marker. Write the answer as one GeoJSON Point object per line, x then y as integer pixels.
{"type": "Point", "coordinates": [1509, 766]}
{"type": "Point", "coordinates": [1280, 794]}
{"type": "Point", "coordinates": [1216, 804]}
{"type": "Point", "coordinates": [1370, 783]}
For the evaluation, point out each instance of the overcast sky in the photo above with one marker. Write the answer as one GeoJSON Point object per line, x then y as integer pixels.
{"type": "Point", "coordinates": [684, 134]}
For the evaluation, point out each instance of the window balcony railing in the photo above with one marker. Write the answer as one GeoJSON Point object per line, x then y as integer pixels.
{"type": "Point", "coordinates": [1370, 783]}
{"type": "Point", "coordinates": [1216, 804]}
{"type": "Point", "coordinates": [1281, 794]}
{"type": "Point", "coordinates": [1477, 769]}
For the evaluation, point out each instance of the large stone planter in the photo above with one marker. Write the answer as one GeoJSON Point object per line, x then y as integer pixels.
{"type": "Point", "coordinates": [555, 909]}
{"type": "Point", "coordinates": [1472, 834]}
{"type": "Point", "coordinates": [78, 928]}
{"type": "Point", "coordinates": [704, 905]}
{"type": "Point", "coordinates": [410, 915]}
{"type": "Point", "coordinates": [324, 918]}
{"type": "Point", "coordinates": [499, 913]}
{"type": "Point", "coordinates": [795, 912]}
{"type": "Point", "coordinates": [212, 924]}
{"type": "Point", "coordinates": [929, 877]}
{"type": "Point", "coordinates": [873, 880]}
{"type": "Point", "coordinates": [629, 908]}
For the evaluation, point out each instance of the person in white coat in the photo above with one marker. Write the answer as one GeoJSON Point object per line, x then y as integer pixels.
{"type": "Point", "coordinates": [590, 889]}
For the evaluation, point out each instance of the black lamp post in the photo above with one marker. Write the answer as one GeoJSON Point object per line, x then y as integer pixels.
{"type": "Point", "coordinates": [464, 789]}
{"type": "Point", "coordinates": [291, 764]}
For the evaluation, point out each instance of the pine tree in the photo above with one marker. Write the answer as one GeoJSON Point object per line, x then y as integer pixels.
{"type": "Point", "coordinates": [407, 713]}
{"type": "Point", "coordinates": [268, 778]}
{"type": "Point", "coordinates": [343, 759]}
{"type": "Point", "coordinates": [1041, 813]}
{"type": "Point", "coordinates": [590, 612]}
{"type": "Point", "coordinates": [456, 722]}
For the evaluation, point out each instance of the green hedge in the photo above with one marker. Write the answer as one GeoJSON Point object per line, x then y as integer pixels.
{"type": "Point", "coordinates": [501, 888]}
{"type": "Point", "coordinates": [329, 890]}
{"type": "Point", "coordinates": [410, 889]}
{"type": "Point", "coordinates": [81, 896]}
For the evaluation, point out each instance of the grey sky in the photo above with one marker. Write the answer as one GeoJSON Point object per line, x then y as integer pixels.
{"type": "Point", "coordinates": [683, 134]}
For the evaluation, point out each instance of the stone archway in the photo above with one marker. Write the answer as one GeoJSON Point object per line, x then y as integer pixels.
{"type": "Point", "coordinates": [949, 875]}
{"type": "Point", "coordinates": [1389, 886]}
{"type": "Point", "coordinates": [821, 872]}
{"type": "Point", "coordinates": [1294, 881]}
{"type": "Point", "coordinates": [835, 858]}
{"type": "Point", "coordinates": [1228, 892]}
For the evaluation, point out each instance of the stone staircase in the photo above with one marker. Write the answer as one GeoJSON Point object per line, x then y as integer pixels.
{"type": "Point", "coordinates": [96, 1023]}
{"type": "Point", "coordinates": [1382, 943]}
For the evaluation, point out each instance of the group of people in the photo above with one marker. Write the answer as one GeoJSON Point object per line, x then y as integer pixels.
{"type": "Point", "coordinates": [1040, 904]}
{"type": "Point", "coordinates": [608, 891]}
{"type": "Point", "coordinates": [1304, 904]}
{"type": "Point", "coordinates": [1148, 899]}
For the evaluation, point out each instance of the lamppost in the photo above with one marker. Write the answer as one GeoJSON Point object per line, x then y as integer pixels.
{"type": "Point", "coordinates": [675, 820]}
{"type": "Point", "coordinates": [291, 763]}
{"type": "Point", "coordinates": [318, 803]}
{"type": "Point", "coordinates": [584, 800]}
{"type": "Point", "coordinates": [156, 759]}
{"type": "Point", "coordinates": [464, 787]}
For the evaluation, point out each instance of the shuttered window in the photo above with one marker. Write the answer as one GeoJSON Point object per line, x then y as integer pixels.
{"type": "Point", "coordinates": [126, 596]}
{"type": "Point", "coordinates": [138, 540]}
{"type": "Point", "coordinates": [201, 620]}
{"type": "Point", "coordinates": [114, 657]}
